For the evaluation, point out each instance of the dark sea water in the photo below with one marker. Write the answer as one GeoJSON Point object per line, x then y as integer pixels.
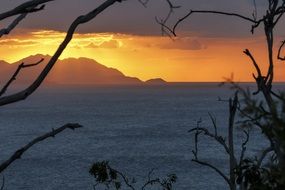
{"type": "Point", "coordinates": [135, 128]}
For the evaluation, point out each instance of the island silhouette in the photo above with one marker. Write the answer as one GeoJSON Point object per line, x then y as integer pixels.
{"type": "Point", "coordinates": [77, 71]}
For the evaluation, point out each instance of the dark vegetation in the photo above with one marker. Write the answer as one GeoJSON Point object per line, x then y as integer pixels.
{"type": "Point", "coordinates": [108, 177]}
{"type": "Point", "coordinates": [247, 110]}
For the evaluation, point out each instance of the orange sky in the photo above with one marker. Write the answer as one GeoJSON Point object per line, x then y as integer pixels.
{"type": "Point", "coordinates": [188, 59]}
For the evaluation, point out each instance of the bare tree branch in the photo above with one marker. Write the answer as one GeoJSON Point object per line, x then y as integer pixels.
{"type": "Point", "coordinates": [78, 21]}
{"type": "Point", "coordinates": [280, 12]}
{"type": "Point", "coordinates": [260, 80]}
{"type": "Point", "coordinates": [195, 152]}
{"type": "Point", "coordinates": [162, 22]}
{"type": "Point", "coordinates": [214, 123]}
{"type": "Point", "coordinates": [279, 51]}
{"type": "Point", "coordinates": [217, 138]}
{"type": "Point", "coordinates": [191, 12]}
{"type": "Point", "coordinates": [277, 95]}
{"type": "Point", "coordinates": [247, 52]}
{"type": "Point", "coordinates": [243, 146]}
{"type": "Point", "coordinates": [144, 2]}
{"type": "Point", "coordinates": [233, 106]}
{"type": "Point", "coordinates": [6, 31]}
{"type": "Point", "coordinates": [254, 14]}
{"type": "Point", "coordinates": [27, 7]}
{"type": "Point", "coordinates": [232, 159]}
{"type": "Point", "coordinates": [150, 180]}
{"type": "Point", "coordinates": [21, 151]}
{"type": "Point", "coordinates": [214, 168]}
{"type": "Point", "coordinates": [125, 178]}
{"type": "Point", "coordinates": [20, 67]}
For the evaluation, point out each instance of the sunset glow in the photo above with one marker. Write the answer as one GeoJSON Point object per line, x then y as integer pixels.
{"type": "Point", "coordinates": [187, 59]}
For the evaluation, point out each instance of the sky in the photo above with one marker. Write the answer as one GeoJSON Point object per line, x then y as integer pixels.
{"type": "Point", "coordinates": [126, 37]}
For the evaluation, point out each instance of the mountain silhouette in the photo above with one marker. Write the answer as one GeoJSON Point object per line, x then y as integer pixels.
{"type": "Point", "coordinates": [66, 71]}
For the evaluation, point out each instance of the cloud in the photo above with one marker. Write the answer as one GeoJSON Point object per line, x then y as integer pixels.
{"type": "Point", "coordinates": [139, 21]}
{"type": "Point", "coordinates": [17, 42]}
{"type": "Point", "coordinates": [112, 44]}
{"type": "Point", "coordinates": [184, 44]}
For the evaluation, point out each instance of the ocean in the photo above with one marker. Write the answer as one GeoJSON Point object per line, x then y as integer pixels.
{"type": "Point", "coordinates": [135, 128]}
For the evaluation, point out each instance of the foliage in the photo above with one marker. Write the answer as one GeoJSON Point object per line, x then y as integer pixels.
{"type": "Point", "coordinates": [266, 171]}
{"type": "Point", "coordinates": [265, 112]}
{"type": "Point", "coordinates": [111, 178]}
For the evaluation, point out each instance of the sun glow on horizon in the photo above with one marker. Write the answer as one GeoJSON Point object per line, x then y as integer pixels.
{"type": "Point", "coordinates": [189, 59]}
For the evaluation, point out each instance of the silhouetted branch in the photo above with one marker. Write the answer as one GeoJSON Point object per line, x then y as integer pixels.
{"type": "Point", "coordinates": [279, 51]}
{"type": "Point", "coordinates": [279, 16]}
{"type": "Point", "coordinates": [221, 140]}
{"type": "Point", "coordinates": [27, 7]}
{"type": "Point", "coordinates": [263, 83]}
{"type": "Point", "coordinates": [243, 146]}
{"type": "Point", "coordinates": [195, 153]}
{"type": "Point", "coordinates": [78, 21]}
{"type": "Point", "coordinates": [214, 168]}
{"type": "Point", "coordinates": [277, 95]}
{"type": "Point", "coordinates": [21, 151]}
{"type": "Point", "coordinates": [109, 177]}
{"type": "Point", "coordinates": [144, 2]}
{"type": "Point", "coordinates": [233, 104]}
{"type": "Point", "coordinates": [22, 10]}
{"type": "Point", "coordinates": [164, 28]}
{"type": "Point", "coordinates": [20, 67]}
{"type": "Point", "coordinates": [162, 22]}
{"type": "Point", "coordinates": [260, 80]}
{"type": "Point", "coordinates": [124, 177]}
{"type": "Point", "coordinates": [214, 124]}
{"type": "Point", "coordinates": [254, 14]}
{"type": "Point", "coordinates": [247, 52]}
{"type": "Point", "coordinates": [191, 12]}
{"type": "Point", "coordinates": [6, 31]}
{"type": "Point", "coordinates": [150, 180]}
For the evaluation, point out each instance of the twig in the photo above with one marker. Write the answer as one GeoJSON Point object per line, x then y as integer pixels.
{"type": "Point", "coordinates": [20, 67]}
{"type": "Point", "coordinates": [126, 180]}
{"type": "Point", "coordinates": [233, 104]}
{"type": "Point", "coordinates": [198, 130]}
{"type": "Point", "coordinates": [243, 146]}
{"type": "Point", "coordinates": [219, 139]}
{"type": "Point", "coordinates": [214, 123]}
{"type": "Point", "coordinates": [279, 51]}
{"type": "Point", "coordinates": [247, 52]}
{"type": "Point", "coordinates": [260, 80]}
{"type": "Point", "coordinates": [144, 2]}
{"type": "Point", "coordinates": [150, 181]}
{"type": "Point", "coordinates": [277, 95]}
{"type": "Point", "coordinates": [162, 22]}
{"type": "Point", "coordinates": [253, 21]}
{"type": "Point", "coordinates": [21, 151]}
